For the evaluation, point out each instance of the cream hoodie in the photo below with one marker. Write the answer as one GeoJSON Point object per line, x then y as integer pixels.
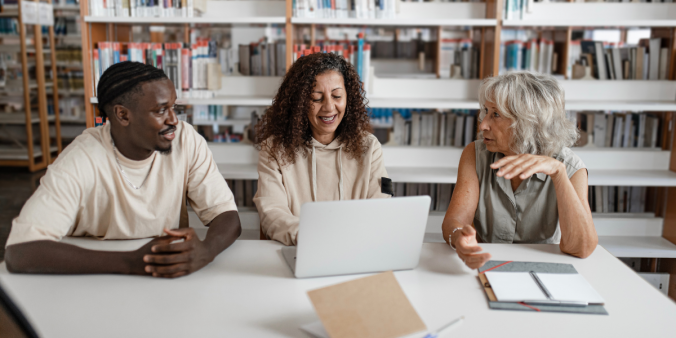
{"type": "Point", "coordinates": [326, 174]}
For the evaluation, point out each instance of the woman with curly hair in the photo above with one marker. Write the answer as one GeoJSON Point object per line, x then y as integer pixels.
{"type": "Point", "coordinates": [315, 144]}
{"type": "Point", "coordinates": [520, 182]}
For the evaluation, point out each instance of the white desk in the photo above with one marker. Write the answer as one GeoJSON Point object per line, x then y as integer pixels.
{"type": "Point", "coordinates": [249, 291]}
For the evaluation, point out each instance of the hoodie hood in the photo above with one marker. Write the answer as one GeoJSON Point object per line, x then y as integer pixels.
{"type": "Point", "coordinates": [333, 146]}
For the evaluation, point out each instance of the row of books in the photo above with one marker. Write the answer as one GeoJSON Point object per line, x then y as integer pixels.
{"type": "Point", "coordinates": [195, 71]}
{"type": "Point", "coordinates": [458, 59]}
{"type": "Point", "coordinates": [360, 9]}
{"type": "Point", "coordinates": [451, 128]}
{"type": "Point", "coordinates": [647, 61]}
{"type": "Point", "coordinates": [9, 26]}
{"type": "Point", "coordinates": [260, 59]}
{"type": "Point", "coordinates": [533, 55]}
{"type": "Point", "coordinates": [358, 53]}
{"type": "Point", "coordinates": [66, 26]}
{"type": "Point", "coordinates": [439, 192]}
{"type": "Point", "coordinates": [619, 129]}
{"type": "Point", "coordinates": [514, 9]}
{"type": "Point", "coordinates": [142, 8]}
{"type": "Point", "coordinates": [243, 191]}
{"type": "Point", "coordinates": [70, 80]}
{"type": "Point", "coordinates": [71, 107]}
{"type": "Point", "coordinates": [618, 199]}
{"type": "Point", "coordinates": [69, 54]}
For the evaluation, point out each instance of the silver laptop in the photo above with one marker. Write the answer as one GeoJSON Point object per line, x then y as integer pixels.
{"type": "Point", "coordinates": [358, 236]}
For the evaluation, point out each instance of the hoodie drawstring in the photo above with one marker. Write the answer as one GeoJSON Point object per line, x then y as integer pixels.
{"type": "Point", "coordinates": [314, 174]}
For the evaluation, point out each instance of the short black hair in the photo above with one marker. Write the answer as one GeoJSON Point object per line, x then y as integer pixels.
{"type": "Point", "coordinates": [122, 80]}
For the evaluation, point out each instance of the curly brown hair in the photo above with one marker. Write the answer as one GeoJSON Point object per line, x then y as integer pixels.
{"type": "Point", "coordinates": [285, 129]}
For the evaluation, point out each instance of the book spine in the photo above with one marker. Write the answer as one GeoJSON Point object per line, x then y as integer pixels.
{"type": "Point", "coordinates": [185, 71]}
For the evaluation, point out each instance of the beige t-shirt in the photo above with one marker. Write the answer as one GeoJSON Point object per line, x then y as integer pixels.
{"type": "Point", "coordinates": [282, 189]}
{"type": "Point", "coordinates": [84, 193]}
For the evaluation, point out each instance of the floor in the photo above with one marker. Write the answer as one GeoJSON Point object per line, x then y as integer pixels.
{"type": "Point", "coordinates": [16, 186]}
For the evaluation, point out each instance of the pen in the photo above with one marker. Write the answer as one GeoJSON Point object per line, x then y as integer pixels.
{"type": "Point", "coordinates": [449, 325]}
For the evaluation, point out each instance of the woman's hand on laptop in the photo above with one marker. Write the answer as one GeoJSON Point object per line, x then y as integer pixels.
{"type": "Point", "coordinates": [468, 248]}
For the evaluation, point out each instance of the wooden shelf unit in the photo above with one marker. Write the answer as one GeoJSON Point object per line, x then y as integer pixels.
{"type": "Point", "coordinates": [649, 236]}
{"type": "Point", "coordinates": [35, 159]}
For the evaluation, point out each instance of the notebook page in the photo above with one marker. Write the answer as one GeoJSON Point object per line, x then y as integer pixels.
{"type": "Point", "coordinates": [570, 287]}
{"type": "Point", "coordinates": [514, 286]}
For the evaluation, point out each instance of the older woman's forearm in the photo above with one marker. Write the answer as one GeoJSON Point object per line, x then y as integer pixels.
{"type": "Point", "coordinates": [578, 235]}
{"type": "Point", "coordinates": [447, 227]}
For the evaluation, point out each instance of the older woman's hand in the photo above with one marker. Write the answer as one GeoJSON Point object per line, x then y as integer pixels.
{"type": "Point", "coordinates": [468, 248]}
{"type": "Point", "coordinates": [525, 165]}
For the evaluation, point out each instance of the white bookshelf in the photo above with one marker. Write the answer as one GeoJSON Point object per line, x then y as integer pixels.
{"type": "Point", "coordinates": [597, 14]}
{"type": "Point", "coordinates": [216, 12]}
{"type": "Point", "coordinates": [419, 14]}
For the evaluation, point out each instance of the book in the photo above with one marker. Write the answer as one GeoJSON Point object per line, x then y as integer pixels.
{"type": "Point", "coordinates": [600, 125]}
{"type": "Point", "coordinates": [459, 130]}
{"type": "Point", "coordinates": [469, 129]}
{"type": "Point", "coordinates": [654, 63]}
{"type": "Point", "coordinates": [244, 59]}
{"type": "Point", "coordinates": [415, 129]}
{"type": "Point", "coordinates": [618, 131]}
{"type": "Point", "coordinates": [542, 288]}
{"type": "Point", "coordinates": [664, 63]}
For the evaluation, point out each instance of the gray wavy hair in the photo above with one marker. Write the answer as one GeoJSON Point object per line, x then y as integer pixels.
{"type": "Point", "coordinates": [535, 104]}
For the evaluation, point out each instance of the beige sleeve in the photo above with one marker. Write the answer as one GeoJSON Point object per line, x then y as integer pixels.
{"type": "Point", "coordinates": [208, 193]}
{"type": "Point", "coordinates": [377, 171]}
{"type": "Point", "coordinates": [52, 210]}
{"type": "Point", "coordinates": [277, 221]}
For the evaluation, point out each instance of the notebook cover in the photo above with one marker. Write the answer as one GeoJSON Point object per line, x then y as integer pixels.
{"type": "Point", "coordinates": [369, 307]}
{"type": "Point", "coordinates": [536, 267]}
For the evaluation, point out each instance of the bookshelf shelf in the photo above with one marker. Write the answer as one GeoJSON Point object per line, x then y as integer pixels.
{"type": "Point", "coordinates": [637, 246]}
{"type": "Point", "coordinates": [588, 23]}
{"type": "Point", "coordinates": [67, 7]}
{"type": "Point", "coordinates": [420, 14]}
{"type": "Point", "coordinates": [238, 171]}
{"type": "Point", "coordinates": [181, 20]}
{"type": "Point", "coordinates": [20, 118]}
{"type": "Point", "coordinates": [226, 101]}
{"type": "Point", "coordinates": [11, 153]}
{"type": "Point", "coordinates": [607, 166]}
{"type": "Point", "coordinates": [221, 122]}
{"type": "Point", "coordinates": [215, 12]}
{"type": "Point", "coordinates": [597, 14]}
{"type": "Point", "coordinates": [417, 22]}
{"type": "Point", "coordinates": [622, 105]}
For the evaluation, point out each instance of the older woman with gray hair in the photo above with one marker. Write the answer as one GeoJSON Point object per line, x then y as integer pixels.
{"type": "Point", "coordinates": [520, 182]}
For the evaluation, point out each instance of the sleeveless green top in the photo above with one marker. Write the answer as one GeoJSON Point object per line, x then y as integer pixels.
{"type": "Point", "coordinates": [527, 215]}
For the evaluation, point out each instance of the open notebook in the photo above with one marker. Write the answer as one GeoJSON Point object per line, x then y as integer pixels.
{"type": "Point", "coordinates": [542, 288]}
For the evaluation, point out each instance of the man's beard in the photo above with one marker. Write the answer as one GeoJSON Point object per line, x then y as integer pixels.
{"type": "Point", "coordinates": [164, 151]}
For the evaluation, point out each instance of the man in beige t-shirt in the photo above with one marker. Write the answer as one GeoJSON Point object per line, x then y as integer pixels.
{"type": "Point", "coordinates": [128, 179]}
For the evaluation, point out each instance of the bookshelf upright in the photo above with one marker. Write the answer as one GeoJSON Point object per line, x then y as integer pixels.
{"type": "Point", "coordinates": [24, 152]}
